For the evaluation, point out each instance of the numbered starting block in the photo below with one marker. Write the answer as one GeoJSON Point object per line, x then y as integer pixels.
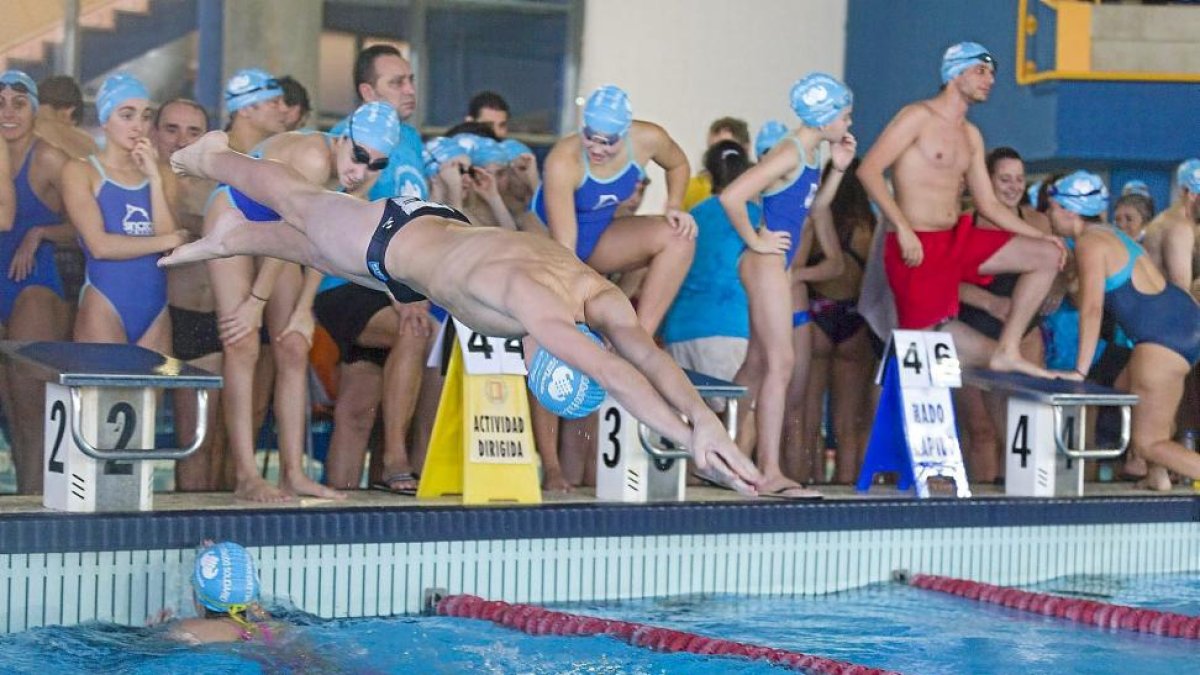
{"type": "Point", "coordinates": [482, 444]}
{"type": "Point", "coordinates": [659, 471]}
{"type": "Point", "coordinates": [914, 433]}
{"type": "Point", "coordinates": [100, 415]}
{"type": "Point", "coordinates": [1045, 430]}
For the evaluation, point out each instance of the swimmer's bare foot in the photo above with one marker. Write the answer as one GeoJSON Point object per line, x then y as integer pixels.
{"type": "Point", "coordinates": [1005, 362]}
{"type": "Point", "coordinates": [255, 489]}
{"type": "Point", "coordinates": [304, 486]}
{"type": "Point", "coordinates": [782, 487]}
{"type": "Point", "coordinates": [211, 245]}
{"type": "Point", "coordinates": [192, 160]}
{"type": "Point", "coordinates": [555, 482]}
{"type": "Point", "coordinates": [1157, 479]}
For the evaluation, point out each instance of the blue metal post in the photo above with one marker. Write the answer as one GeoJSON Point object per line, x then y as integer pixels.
{"type": "Point", "coordinates": [210, 27]}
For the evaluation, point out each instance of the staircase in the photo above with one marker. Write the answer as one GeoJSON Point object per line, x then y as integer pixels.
{"type": "Point", "coordinates": [112, 32]}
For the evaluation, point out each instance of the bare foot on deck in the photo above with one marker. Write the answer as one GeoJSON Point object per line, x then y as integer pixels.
{"type": "Point", "coordinates": [191, 160]}
{"type": "Point", "coordinates": [1157, 479]}
{"type": "Point", "coordinates": [782, 487]}
{"type": "Point", "coordinates": [554, 482]}
{"type": "Point", "coordinates": [306, 487]}
{"type": "Point", "coordinates": [210, 246]}
{"type": "Point", "coordinates": [255, 489]}
{"type": "Point", "coordinates": [1004, 362]}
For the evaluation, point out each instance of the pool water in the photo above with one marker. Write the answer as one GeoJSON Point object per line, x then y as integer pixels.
{"type": "Point", "coordinates": [888, 626]}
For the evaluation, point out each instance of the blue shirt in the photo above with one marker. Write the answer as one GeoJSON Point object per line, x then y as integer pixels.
{"type": "Point", "coordinates": [403, 177]}
{"type": "Point", "coordinates": [712, 302]}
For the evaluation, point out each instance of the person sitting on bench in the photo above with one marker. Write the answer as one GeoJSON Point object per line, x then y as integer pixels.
{"type": "Point", "coordinates": [1162, 320]}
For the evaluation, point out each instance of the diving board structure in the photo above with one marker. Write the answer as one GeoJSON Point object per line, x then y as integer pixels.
{"type": "Point", "coordinates": [101, 403]}
{"type": "Point", "coordinates": [1045, 435]}
{"type": "Point", "coordinates": [659, 471]}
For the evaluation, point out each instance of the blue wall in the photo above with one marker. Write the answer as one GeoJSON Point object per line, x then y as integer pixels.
{"type": "Point", "coordinates": [1130, 129]}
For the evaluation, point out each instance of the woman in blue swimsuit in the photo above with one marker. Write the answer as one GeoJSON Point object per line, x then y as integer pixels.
{"type": "Point", "coordinates": [119, 201]}
{"type": "Point", "coordinates": [1162, 320]}
{"type": "Point", "coordinates": [788, 179]}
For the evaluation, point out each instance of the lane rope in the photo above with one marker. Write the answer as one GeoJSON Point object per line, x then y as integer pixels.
{"type": "Point", "coordinates": [1078, 610]}
{"type": "Point", "coordinates": [540, 621]}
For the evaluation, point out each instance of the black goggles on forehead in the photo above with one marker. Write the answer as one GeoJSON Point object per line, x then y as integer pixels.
{"type": "Point", "coordinates": [269, 84]}
{"type": "Point", "coordinates": [18, 87]}
{"type": "Point", "coordinates": [982, 58]}
{"type": "Point", "coordinates": [360, 155]}
{"type": "Point", "coordinates": [1055, 192]}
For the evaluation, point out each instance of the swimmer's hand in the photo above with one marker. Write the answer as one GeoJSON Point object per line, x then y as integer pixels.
{"type": "Point", "coordinates": [843, 152]}
{"type": "Point", "coordinates": [1070, 375]}
{"type": "Point", "coordinates": [682, 222]}
{"type": "Point", "coordinates": [241, 322]}
{"type": "Point", "coordinates": [302, 323]}
{"type": "Point", "coordinates": [163, 615]}
{"type": "Point", "coordinates": [910, 247]}
{"type": "Point", "coordinates": [716, 455]}
{"type": "Point", "coordinates": [770, 241]}
{"type": "Point", "coordinates": [145, 158]}
{"type": "Point", "coordinates": [414, 318]}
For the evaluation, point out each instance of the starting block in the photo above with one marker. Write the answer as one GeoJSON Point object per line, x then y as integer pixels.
{"type": "Point", "coordinates": [914, 433]}
{"type": "Point", "coordinates": [660, 472]}
{"type": "Point", "coordinates": [1045, 430]}
{"type": "Point", "coordinates": [100, 414]}
{"type": "Point", "coordinates": [482, 443]}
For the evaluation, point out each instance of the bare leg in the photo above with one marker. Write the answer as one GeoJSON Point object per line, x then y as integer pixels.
{"type": "Point", "coordinates": [360, 385]}
{"type": "Point", "coordinates": [37, 314]}
{"type": "Point", "coordinates": [634, 241]}
{"type": "Point", "coordinates": [1158, 375]}
{"type": "Point", "coordinates": [202, 471]}
{"type": "Point", "coordinates": [806, 403]}
{"type": "Point", "coordinates": [852, 366]}
{"type": "Point", "coordinates": [1037, 260]}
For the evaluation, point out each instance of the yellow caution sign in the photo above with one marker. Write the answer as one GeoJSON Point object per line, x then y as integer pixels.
{"type": "Point", "coordinates": [482, 442]}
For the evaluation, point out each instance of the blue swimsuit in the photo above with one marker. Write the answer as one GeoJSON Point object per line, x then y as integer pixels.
{"type": "Point", "coordinates": [596, 202]}
{"type": "Point", "coordinates": [31, 212]}
{"type": "Point", "coordinates": [786, 209]}
{"type": "Point", "coordinates": [1170, 318]}
{"type": "Point", "coordinates": [136, 287]}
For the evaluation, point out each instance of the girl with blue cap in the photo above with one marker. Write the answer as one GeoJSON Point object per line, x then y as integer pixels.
{"type": "Point", "coordinates": [1162, 319]}
{"type": "Point", "coordinates": [227, 595]}
{"type": "Point", "coordinates": [285, 295]}
{"type": "Point", "coordinates": [589, 174]}
{"type": "Point", "coordinates": [32, 303]}
{"type": "Point", "coordinates": [789, 182]}
{"type": "Point", "coordinates": [121, 203]}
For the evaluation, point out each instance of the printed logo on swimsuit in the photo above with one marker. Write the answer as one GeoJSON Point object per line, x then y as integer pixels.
{"type": "Point", "coordinates": [605, 201]}
{"type": "Point", "coordinates": [812, 194]}
{"type": "Point", "coordinates": [137, 222]}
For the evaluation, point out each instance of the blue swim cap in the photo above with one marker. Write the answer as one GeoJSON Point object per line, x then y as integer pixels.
{"type": "Point", "coordinates": [1188, 175]}
{"type": "Point", "coordinates": [17, 79]}
{"type": "Point", "coordinates": [224, 578]}
{"type": "Point", "coordinates": [607, 111]}
{"type": "Point", "coordinates": [250, 86]}
{"type": "Point", "coordinates": [487, 151]}
{"type": "Point", "coordinates": [818, 99]}
{"type": "Point", "coordinates": [375, 125]}
{"type": "Point", "coordinates": [1135, 187]}
{"type": "Point", "coordinates": [561, 389]}
{"type": "Point", "coordinates": [116, 90]}
{"type": "Point", "coordinates": [963, 55]}
{"type": "Point", "coordinates": [1032, 192]}
{"type": "Point", "coordinates": [514, 149]}
{"type": "Point", "coordinates": [439, 150]}
{"type": "Point", "coordinates": [1081, 192]}
{"type": "Point", "coordinates": [770, 134]}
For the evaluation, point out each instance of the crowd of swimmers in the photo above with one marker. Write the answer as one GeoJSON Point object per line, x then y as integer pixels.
{"type": "Point", "coordinates": [783, 266]}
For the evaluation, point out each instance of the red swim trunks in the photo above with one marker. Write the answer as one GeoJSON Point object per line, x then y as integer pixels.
{"type": "Point", "coordinates": [927, 295]}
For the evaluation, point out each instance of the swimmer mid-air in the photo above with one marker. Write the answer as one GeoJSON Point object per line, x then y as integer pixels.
{"type": "Point", "coordinates": [497, 282]}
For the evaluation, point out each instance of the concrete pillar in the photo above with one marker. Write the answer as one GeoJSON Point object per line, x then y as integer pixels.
{"type": "Point", "coordinates": [282, 38]}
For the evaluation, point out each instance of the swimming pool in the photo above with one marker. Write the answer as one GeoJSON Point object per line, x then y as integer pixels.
{"type": "Point", "coordinates": [884, 625]}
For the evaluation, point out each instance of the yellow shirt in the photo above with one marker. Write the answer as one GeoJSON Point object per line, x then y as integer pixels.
{"type": "Point", "coordinates": [699, 188]}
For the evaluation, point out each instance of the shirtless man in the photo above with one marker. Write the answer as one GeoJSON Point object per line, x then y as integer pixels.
{"type": "Point", "coordinates": [931, 149]}
{"type": "Point", "coordinates": [60, 114]}
{"type": "Point", "coordinates": [500, 283]}
{"type": "Point", "coordinates": [178, 123]}
{"type": "Point", "coordinates": [1171, 240]}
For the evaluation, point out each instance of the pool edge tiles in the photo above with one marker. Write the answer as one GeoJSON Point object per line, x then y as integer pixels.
{"type": "Point", "coordinates": [377, 562]}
